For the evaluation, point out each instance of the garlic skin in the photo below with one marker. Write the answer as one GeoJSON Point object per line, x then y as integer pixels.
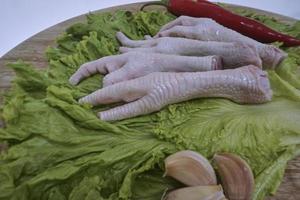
{"type": "Point", "coordinates": [214, 192]}
{"type": "Point", "coordinates": [190, 168]}
{"type": "Point", "coordinates": [236, 176]}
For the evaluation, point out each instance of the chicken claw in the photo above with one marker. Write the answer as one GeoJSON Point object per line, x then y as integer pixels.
{"type": "Point", "coordinates": [136, 64]}
{"type": "Point", "coordinates": [233, 54]}
{"type": "Point", "coordinates": [152, 92]}
{"type": "Point", "coordinates": [206, 29]}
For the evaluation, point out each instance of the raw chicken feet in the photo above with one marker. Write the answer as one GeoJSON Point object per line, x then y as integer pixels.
{"type": "Point", "coordinates": [135, 64]}
{"type": "Point", "coordinates": [206, 29]}
{"type": "Point", "coordinates": [152, 92]}
{"type": "Point", "coordinates": [233, 54]}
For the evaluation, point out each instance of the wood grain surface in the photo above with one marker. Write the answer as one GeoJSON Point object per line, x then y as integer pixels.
{"type": "Point", "coordinates": [32, 51]}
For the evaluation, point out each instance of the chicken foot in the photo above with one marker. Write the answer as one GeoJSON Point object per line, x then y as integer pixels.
{"type": "Point", "coordinates": [206, 29]}
{"type": "Point", "coordinates": [136, 64]}
{"type": "Point", "coordinates": [152, 92]}
{"type": "Point", "coordinates": [233, 54]}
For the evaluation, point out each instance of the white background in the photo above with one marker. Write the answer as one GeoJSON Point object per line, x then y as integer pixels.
{"type": "Point", "coordinates": [20, 19]}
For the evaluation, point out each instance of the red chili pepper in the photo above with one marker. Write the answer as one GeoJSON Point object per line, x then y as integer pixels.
{"type": "Point", "coordinates": [243, 25]}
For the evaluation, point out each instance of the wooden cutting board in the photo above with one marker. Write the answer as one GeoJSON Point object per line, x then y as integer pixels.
{"type": "Point", "coordinates": [32, 51]}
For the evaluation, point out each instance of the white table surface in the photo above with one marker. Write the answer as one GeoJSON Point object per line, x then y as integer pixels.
{"type": "Point", "coordinates": [20, 19]}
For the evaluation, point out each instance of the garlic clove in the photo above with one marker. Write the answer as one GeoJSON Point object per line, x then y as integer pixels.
{"type": "Point", "coordinates": [190, 168]}
{"type": "Point", "coordinates": [236, 176]}
{"type": "Point", "coordinates": [212, 192]}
